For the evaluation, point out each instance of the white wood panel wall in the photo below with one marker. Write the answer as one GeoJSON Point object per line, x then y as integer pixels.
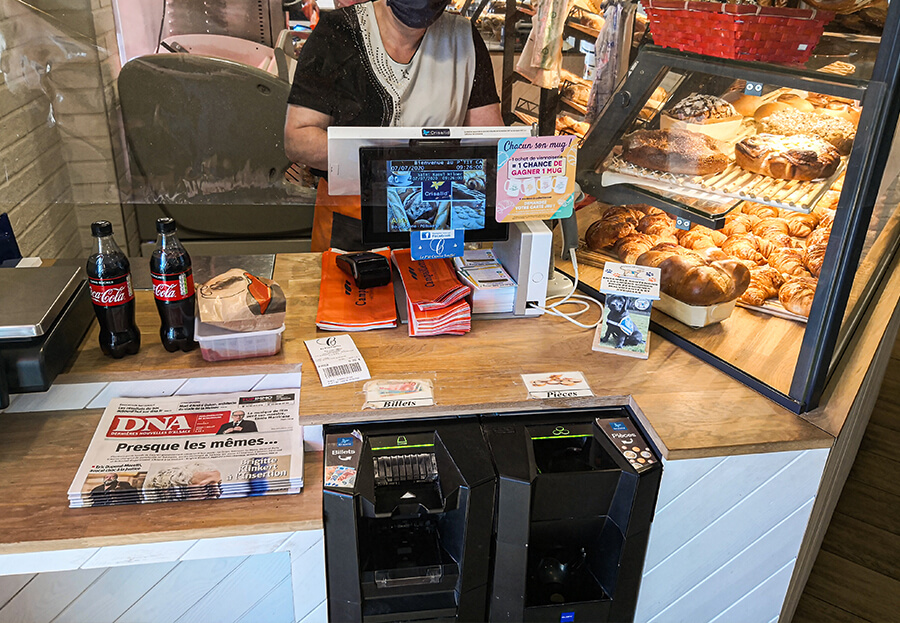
{"type": "Point", "coordinates": [722, 547]}
{"type": "Point", "coordinates": [726, 535]}
{"type": "Point", "coordinates": [201, 584]}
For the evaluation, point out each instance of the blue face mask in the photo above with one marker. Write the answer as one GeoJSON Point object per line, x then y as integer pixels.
{"type": "Point", "coordinates": [417, 13]}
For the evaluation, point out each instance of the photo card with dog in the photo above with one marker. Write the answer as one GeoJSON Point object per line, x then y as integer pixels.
{"type": "Point", "coordinates": [625, 327]}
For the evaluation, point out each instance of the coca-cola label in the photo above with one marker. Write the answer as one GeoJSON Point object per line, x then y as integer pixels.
{"type": "Point", "coordinates": [111, 292]}
{"type": "Point", "coordinates": [174, 286]}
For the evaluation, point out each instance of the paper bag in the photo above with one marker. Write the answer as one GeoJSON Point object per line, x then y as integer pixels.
{"type": "Point", "coordinates": [239, 301]}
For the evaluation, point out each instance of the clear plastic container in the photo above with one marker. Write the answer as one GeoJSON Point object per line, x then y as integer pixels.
{"type": "Point", "coordinates": [218, 344]}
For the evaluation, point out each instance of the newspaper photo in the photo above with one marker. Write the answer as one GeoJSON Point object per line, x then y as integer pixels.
{"type": "Point", "coordinates": [192, 448]}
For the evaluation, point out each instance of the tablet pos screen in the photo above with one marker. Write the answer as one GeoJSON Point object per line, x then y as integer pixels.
{"type": "Point", "coordinates": [428, 186]}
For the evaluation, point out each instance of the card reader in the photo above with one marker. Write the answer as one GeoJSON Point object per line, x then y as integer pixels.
{"type": "Point", "coordinates": [368, 270]}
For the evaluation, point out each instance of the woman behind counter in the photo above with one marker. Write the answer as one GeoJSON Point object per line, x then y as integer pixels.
{"type": "Point", "coordinates": [383, 63]}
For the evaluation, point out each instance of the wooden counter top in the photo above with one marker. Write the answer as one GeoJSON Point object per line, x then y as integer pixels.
{"type": "Point", "coordinates": [695, 409]}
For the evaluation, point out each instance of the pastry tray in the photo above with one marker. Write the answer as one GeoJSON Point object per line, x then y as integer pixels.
{"type": "Point", "coordinates": [732, 185]}
{"type": "Point", "coordinates": [772, 307]}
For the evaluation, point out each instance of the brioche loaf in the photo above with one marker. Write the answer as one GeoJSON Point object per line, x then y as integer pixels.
{"type": "Point", "coordinates": [787, 157]}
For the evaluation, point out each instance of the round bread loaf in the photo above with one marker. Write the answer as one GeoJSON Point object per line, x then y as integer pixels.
{"type": "Point", "coordinates": [745, 104]}
{"type": "Point", "coordinates": [796, 101]}
{"type": "Point", "coordinates": [767, 109]}
{"type": "Point", "coordinates": [787, 157]}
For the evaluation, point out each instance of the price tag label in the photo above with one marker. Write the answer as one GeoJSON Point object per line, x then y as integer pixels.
{"type": "Point", "coordinates": [682, 223]}
{"type": "Point", "coordinates": [753, 88]}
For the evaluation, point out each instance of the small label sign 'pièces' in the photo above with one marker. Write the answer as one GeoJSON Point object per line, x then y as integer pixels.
{"type": "Point", "coordinates": [397, 394]}
{"type": "Point", "coordinates": [556, 385]}
{"type": "Point", "coordinates": [337, 360]}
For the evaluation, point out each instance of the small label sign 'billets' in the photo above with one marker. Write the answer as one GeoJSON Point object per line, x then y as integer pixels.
{"type": "Point", "coordinates": [398, 393]}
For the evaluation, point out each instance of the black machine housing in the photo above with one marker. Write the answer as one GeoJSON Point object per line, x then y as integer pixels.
{"type": "Point", "coordinates": [575, 499]}
{"type": "Point", "coordinates": [410, 538]}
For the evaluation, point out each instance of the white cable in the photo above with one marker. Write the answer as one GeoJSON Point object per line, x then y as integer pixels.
{"type": "Point", "coordinates": [571, 297]}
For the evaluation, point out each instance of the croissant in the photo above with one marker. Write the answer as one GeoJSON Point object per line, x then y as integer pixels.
{"type": "Point", "coordinates": [828, 201]}
{"type": "Point", "coordinates": [799, 224]}
{"type": "Point", "coordinates": [788, 262]}
{"type": "Point", "coordinates": [605, 232]}
{"type": "Point", "coordinates": [657, 225]}
{"type": "Point", "coordinates": [744, 247]}
{"type": "Point", "coordinates": [819, 236]}
{"type": "Point", "coordinates": [815, 256]}
{"type": "Point", "coordinates": [796, 295]}
{"type": "Point", "coordinates": [765, 282]}
{"type": "Point", "coordinates": [646, 209]}
{"type": "Point", "coordinates": [826, 218]}
{"type": "Point", "coordinates": [771, 224]}
{"type": "Point", "coordinates": [767, 246]}
{"type": "Point", "coordinates": [631, 246]}
{"type": "Point", "coordinates": [771, 240]}
{"type": "Point", "coordinates": [759, 209]}
{"type": "Point", "coordinates": [631, 210]}
{"type": "Point", "coordinates": [739, 224]}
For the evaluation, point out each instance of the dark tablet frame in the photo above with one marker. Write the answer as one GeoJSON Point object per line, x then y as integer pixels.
{"type": "Point", "coordinates": [373, 185]}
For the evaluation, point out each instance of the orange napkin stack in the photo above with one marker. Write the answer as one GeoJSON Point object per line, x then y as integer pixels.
{"type": "Point", "coordinates": [344, 307]}
{"type": "Point", "coordinates": [435, 298]}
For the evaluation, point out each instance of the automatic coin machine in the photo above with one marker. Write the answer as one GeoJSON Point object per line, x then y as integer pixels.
{"type": "Point", "coordinates": [576, 495]}
{"type": "Point", "coordinates": [514, 517]}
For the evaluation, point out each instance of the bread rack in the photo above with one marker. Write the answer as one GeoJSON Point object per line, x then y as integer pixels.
{"type": "Point", "coordinates": [732, 185]}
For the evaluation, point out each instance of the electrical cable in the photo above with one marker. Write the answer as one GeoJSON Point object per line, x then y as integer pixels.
{"type": "Point", "coordinates": [573, 299]}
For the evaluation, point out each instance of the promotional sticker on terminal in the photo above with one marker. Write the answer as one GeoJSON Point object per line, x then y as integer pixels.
{"type": "Point", "coordinates": [535, 178]}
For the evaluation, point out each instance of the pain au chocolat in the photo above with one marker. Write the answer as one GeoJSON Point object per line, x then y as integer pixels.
{"type": "Point", "coordinates": [674, 151]}
{"type": "Point", "coordinates": [799, 157]}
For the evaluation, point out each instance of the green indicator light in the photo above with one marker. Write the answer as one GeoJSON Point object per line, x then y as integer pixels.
{"type": "Point", "coordinates": [561, 437]}
{"type": "Point", "coordinates": [415, 445]}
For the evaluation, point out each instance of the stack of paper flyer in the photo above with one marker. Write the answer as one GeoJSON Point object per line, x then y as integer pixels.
{"type": "Point", "coordinates": [493, 290]}
{"type": "Point", "coordinates": [192, 448]}
{"type": "Point", "coordinates": [435, 297]}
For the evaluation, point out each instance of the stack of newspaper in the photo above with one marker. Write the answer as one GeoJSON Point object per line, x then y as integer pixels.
{"type": "Point", "coordinates": [435, 297]}
{"type": "Point", "coordinates": [192, 448]}
{"type": "Point", "coordinates": [493, 290]}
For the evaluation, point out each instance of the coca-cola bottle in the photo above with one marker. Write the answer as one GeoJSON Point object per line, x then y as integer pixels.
{"type": "Point", "coordinates": [173, 288]}
{"type": "Point", "coordinates": [109, 279]}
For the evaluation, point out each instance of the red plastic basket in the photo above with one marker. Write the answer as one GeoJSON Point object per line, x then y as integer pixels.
{"type": "Point", "coordinates": [739, 31]}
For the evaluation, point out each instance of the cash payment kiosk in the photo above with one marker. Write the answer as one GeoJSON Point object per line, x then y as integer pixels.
{"type": "Point", "coordinates": [408, 514]}
{"type": "Point", "coordinates": [576, 494]}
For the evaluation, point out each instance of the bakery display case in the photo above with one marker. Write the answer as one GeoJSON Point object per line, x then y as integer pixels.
{"type": "Point", "coordinates": [772, 186]}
